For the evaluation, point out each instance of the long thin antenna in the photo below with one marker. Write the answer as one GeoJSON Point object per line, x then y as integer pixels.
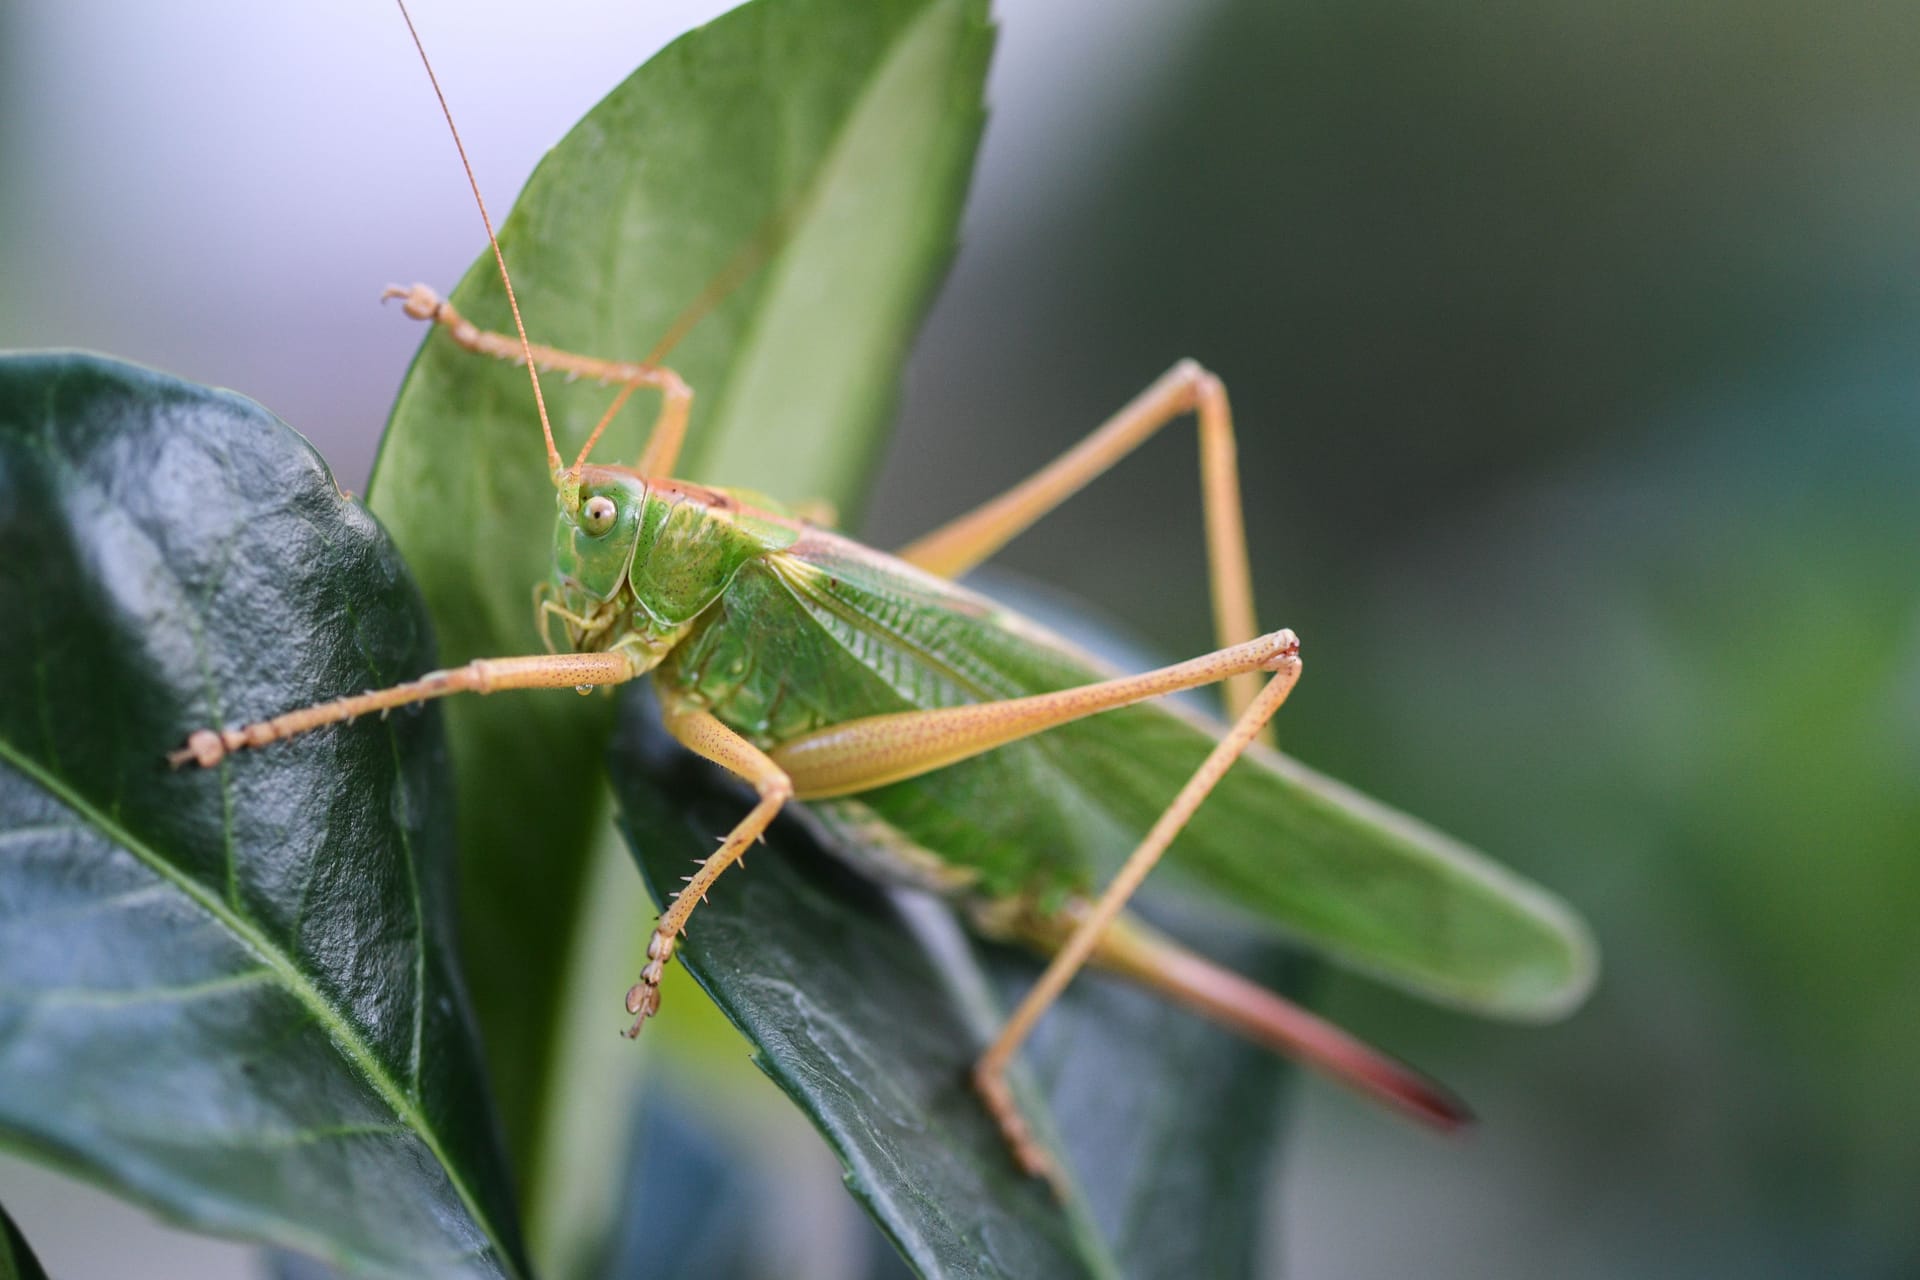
{"type": "Point", "coordinates": [526, 347]}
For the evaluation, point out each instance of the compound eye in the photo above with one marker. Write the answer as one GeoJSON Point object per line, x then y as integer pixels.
{"type": "Point", "coordinates": [597, 517]}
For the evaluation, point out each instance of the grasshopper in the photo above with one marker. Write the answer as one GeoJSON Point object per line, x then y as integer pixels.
{"type": "Point", "coordinates": [874, 690]}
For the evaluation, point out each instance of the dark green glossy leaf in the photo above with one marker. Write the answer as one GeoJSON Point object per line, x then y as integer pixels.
{"type": "Point", "coordinates": [229, 993]}
{"type": "Point", "coordinates": [869, 1008]}
{"type": "Point", "coordinates": [16, 1259]}
{"type": "Point", "coordinates": [851, 127]}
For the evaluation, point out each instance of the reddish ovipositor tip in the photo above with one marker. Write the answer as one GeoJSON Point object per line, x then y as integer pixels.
{"type": "Point", "coordinates": [1411, 1092]}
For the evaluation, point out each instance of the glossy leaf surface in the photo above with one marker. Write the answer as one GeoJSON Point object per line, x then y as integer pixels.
{"type": "Point", "coordinates": [229, 993]}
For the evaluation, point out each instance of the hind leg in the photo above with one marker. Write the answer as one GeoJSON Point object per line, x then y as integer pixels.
{"type": "Point", "coordinates": [962, 543]}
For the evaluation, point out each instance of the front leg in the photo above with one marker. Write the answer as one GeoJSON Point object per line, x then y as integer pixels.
{"type": "Point", "coordinates": [704, 735]}
{"type": "Point", "coordinates": [676, 398]}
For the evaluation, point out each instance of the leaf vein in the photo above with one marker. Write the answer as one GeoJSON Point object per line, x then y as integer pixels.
{"type": "Point", "coordinates": [345, 1036]}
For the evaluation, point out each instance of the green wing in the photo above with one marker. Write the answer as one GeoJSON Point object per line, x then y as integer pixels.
{"type": "Point", "coordinates": [1349, 877]}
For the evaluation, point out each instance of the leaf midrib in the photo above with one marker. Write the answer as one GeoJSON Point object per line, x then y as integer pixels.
{"type": "Point", "coordinates": [751, 346]}
{"type": "Point", "coordinates": [342, 1032]}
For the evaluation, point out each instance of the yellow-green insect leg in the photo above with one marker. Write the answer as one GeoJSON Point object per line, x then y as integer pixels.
{"type": "Point", "coordinates": [676, 398]}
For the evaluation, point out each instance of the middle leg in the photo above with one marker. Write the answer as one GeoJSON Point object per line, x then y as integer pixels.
{"type": "Point", "coordinates": [704, 735]}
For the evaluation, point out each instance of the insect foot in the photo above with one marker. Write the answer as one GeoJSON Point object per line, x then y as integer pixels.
{"type": "Point", "coordinates": [643, 997]}
{"type": "Point", "coordinates": [1286, 649]}
{"type": "Point", "coordinates": [204, 748]}
{"type": "Point", "coordinates": [422, 303]}
{"type": "Point", "coordinates": [990, 1082]}
{"type": "Point", "coordinates": [207, 747]}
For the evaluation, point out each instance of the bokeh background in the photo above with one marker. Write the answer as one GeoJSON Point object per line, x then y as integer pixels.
{"type": "Point", "coordinates": [1576, 352]}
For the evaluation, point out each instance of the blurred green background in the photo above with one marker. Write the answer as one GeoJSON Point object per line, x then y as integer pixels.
{"type": "Point", "coordinates": [1576, 353]}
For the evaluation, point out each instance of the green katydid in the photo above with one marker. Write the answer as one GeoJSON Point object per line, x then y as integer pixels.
{"type": "Point", "coordinates": [871, 688]}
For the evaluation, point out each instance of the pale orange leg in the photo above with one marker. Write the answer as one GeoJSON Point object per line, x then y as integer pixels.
{"type": "Point", "coordinates": [706, 736]}
{"type": "Point", "coordinates": [876, 750]}
{"type": "Point", "coordinates": [962, 543]}
{"type": "Point", "coordinates": [990, 1073]}
{"type": "Point", "coordinates": [208, 747]}
{"type": "Point", "coordinates": [676, 398]}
